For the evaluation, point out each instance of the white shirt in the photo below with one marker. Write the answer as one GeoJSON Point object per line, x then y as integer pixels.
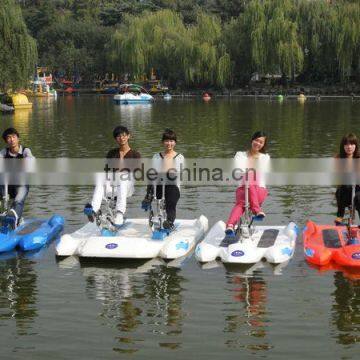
{"type": "Point", "coordinates": [178, 162]}
{"type": "Point", "coordinates": [261, 165]}
{"type": "Point", "coordinates": [25, 152]}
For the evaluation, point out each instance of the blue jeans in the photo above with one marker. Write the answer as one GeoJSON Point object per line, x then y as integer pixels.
{"type": "Point", "coordinates": [18, 193]}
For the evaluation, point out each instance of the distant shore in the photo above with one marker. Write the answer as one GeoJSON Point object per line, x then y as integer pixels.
{"type": "Point", "coordinates": [311, 92]}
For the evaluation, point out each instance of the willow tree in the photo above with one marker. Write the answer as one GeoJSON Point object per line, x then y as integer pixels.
{"type": "Point", "coordinates": [18, 48]}
{"type": "Point", "coordinates": [141, 37]}
{"type": "Point", "coordinates": [254, 23]}
{"type": "Point", "coordinates": [192, 54]}
{"type": "Point", "coordinates": [316, 21]}
{"type": "Point", "coordinates": [265, 38]}
{"type": "Point", "coordinates": [282, 42]}
{"type": "Point", "coordinates": [347, 39]}
{"type": "Point", "coordinates": [209, 60]}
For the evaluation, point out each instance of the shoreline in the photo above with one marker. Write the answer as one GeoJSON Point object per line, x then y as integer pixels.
{"type": "Point", "coordinates": [228, 95]}
{"type": "Point", "coordinates": [311, 92]}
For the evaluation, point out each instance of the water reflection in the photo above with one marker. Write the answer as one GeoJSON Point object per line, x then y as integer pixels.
{"type": "Point", "coordinates": [21, 119]}
{"type": "Point", "coordinates": [141, 299]}
{"type": "Point", "coordinates": [346, 309]}
{"type": "Point", "coordinates": [245, 313]}
{"type": "Point", "coordinates": [135, 112]}
{"type": "Point", "coordinates": [18, 298]}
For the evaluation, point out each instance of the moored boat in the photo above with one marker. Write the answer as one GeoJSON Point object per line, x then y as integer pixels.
{"type": "Point", "coordinates": [132, 94]}
{"type": "Point", "coordinates": [20, 101]}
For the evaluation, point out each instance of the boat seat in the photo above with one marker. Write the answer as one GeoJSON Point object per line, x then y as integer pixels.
{"type": "Point", "coordinates": [331, 238]}
{"type": "Point", "coordinates": [268, 238]}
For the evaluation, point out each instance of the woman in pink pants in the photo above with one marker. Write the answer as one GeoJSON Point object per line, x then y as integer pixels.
{"type": "Point", "coordinates": [257, 188]}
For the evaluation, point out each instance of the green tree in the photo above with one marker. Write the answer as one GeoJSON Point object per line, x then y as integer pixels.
{"type": "Point", "coordinates": [315, 23]}
{"type": "Point", "coordinates": [40, 16]}
{"type": "Point", "coordinates": [226, 9]}
{"type": "Point", "coordinates": [193, 54]}
{"type": "Point", "coordinates": [347, 40]}
{"type": "Point", "coordinates": [265, 39]}
{"type": "Point", "coordinates": [282, 42]}
{"type": "Point", "coordinates": [70, 45]}
{"type": "Point", "coordinates": [18, 49]}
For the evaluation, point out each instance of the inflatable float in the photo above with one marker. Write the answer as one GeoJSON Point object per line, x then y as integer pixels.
{"type": "Point", "coordinates": [250, 243]}
{"type": "Point", "coordinates": [324, 244]}
{"type": "Point", "coordinates": [206, 97]}
{"type": "Point", "coordinates": [301, 98]}
{"type": "Point", "coordinates": [31, 234]}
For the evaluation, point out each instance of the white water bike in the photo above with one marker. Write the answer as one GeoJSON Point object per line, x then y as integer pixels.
{"type": "Point", "coordinates": [249, 244]}
{"type": "Point", "coordinates": [142, 238]}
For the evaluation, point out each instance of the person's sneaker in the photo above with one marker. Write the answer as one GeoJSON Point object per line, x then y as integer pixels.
{"type": "Point", "coordinates": [119, 219]}
{"type": "Point", "coordinates": [12, 218]}
{"type": "Point", "coordinates": [89, 212]}
{"type": "Point", "coordinates": [168, 225]}
{"type": "Point", "coordinates": [230, 230]}
{"type": "Point", "coordinates": [339, 221]}
{"type": "Point", "coordinates": [260, 215]}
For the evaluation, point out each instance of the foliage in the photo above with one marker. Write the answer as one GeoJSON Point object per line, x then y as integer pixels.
{"type": "Point", "coordinates": [162, 41]}
{"type": "Point", "coordinates": [200, 42]}
{"type": "Point", "coordinates": [74, 46]}
{"type": "Point", "coordinates": [18, 48]}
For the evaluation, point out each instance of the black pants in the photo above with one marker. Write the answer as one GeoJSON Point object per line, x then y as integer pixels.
{"type": "Point", "coordinates": [343, 198]}
{"type": "Point", "coordinates": [18, 194]}
{"type": "Point", "coordinates": [172, 196]}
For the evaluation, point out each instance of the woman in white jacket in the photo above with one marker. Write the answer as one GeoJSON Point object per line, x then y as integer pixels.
{"type": "Point", "coordinates": [168, 163]}
{"type": "Point", "coordinates": [256, 155]}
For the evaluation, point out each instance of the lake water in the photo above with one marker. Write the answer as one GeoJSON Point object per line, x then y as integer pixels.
{"type": "Point", "coordinates": [151, 310]}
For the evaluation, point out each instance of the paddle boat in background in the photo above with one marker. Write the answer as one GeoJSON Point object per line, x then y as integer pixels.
{"type": "Point", "coordinates": [167, 96]}
{"type": "Point", "coordinates": [250, 244]}
{"type": "Point", "coordinates": [19, 101]}
{"type": "Point", "coordinates": [132, 94]}
{"type": "Point", "coordinates": [40, 89]}
{"type": "Point", "coordinates": [42, 84]}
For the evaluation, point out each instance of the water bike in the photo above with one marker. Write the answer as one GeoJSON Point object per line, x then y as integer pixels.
{"type": "Point", "coordinates": [249, 244]}
{"type": "Point", "coordinates": [338, 243]}
{"type": "Point", "coordinates": [29, 234]}
{"type": "Point", "coordinates": [143, 238]}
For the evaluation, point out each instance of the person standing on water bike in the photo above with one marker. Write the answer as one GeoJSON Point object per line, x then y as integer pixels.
{"type": "Point", "coordinates": [257, 189]}
{"type": "Point", "coordinates": [164, 162]}
{"type": "Point", "coordinates": [349, 149]}
{"type": "Point", "coordinates": [124, 186]}
{"type": "Point", "coordinates": [17, 193]}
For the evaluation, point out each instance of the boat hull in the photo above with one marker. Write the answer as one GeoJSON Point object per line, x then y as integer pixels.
{"type": "Point", "coordinates": [276, 244]}
{"type": "Point", "coordinates": [133, 241]}
{"type": "Point", "coordinates": [32, 234]}
{"type": "Point", "coordinates": [329, 243]}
